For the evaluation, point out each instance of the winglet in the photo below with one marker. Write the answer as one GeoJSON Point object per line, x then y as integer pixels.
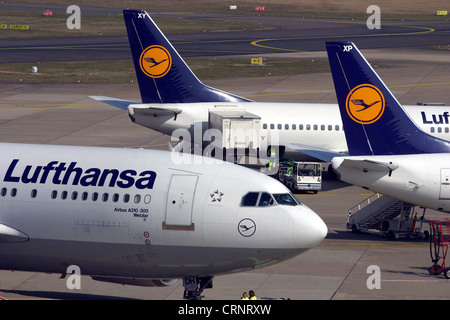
{"type": "Point", "coordinates": [162, 74]}
{"type": "Point", "coordinates": [374, 121]}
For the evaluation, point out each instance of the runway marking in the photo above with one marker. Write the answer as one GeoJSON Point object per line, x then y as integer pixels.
{"type": "Point", "coordinates": [47, 106]}
{"type": "Point", "coordinates": [331, 91]}
{"type": "Point", "coordinates": [391, 244]}
{"type": "Point", "coordinates": [81, 46]}
{"type": "Point", "coordinates": [120, 46]}
{"type": "Point", "coordinates": [256, 42]}
{"type": "Point", "coordinates": [400, 280]}
{"type": "Point", "coordinates": [317, 195]}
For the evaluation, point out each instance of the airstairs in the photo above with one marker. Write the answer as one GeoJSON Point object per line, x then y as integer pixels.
{"type": "Point", "coordinates": [379, 214]}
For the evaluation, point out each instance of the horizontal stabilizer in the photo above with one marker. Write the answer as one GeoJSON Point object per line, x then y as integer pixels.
{"type": "Point", "coordinates": [370, 165]}
{"type": "Point", "coordinates": [321, 154]}
{"type": "Point", "coordinates": [11, 235]}
{"type": "Point", "coordinates": [118, 103]}
{"type": "Point", "coordinates": [143, 109]}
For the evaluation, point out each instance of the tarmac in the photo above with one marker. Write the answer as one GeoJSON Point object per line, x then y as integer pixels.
{"type": "Point", "coordinates": [340, 268]}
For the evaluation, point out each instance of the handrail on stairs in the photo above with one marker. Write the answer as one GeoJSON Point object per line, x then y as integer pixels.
{"type": "Point", "coordinates": [363, 203]}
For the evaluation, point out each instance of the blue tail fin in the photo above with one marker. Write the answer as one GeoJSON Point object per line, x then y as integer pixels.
{"type": "Point", "coordinates": [162, 74]}
{"type": "Point", "coordinates": [374, 121]}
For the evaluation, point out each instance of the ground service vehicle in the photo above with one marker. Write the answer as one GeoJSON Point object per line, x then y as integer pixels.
{"type": "Point", "coordinates": [301, 175]}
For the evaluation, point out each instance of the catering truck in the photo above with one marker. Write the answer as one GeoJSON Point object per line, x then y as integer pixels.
{"type": "Point", "coordinates": [239, 129]}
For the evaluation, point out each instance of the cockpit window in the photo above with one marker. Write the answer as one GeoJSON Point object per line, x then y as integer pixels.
{"type": "Point", "coordinates": [249, 200]}
{"type": "Point", "coordinates": [285, 199]}
{"type": "Point", "coordinates": [265, 200]}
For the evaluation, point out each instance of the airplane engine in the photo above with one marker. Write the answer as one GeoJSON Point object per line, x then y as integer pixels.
{"type": "Point", "coordinates": [138, 282]}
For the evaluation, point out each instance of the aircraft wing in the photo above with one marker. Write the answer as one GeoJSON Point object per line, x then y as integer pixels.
{"type": "Point", "coordinates": [366, 164]}
{"type": "Point", "coordinates": [321, 154]}
{"type": "Point", "coordinates": [118, 103]}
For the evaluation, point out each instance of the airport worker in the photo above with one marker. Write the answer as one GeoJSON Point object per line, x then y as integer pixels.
{"type": "Point", "coordinates": [245, 296]}
{"type": "Point", "coordinates": [252, 295]}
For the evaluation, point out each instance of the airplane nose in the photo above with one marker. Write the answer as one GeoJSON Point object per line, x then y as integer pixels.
{"type": "Point", "coordinates": [309, 229]}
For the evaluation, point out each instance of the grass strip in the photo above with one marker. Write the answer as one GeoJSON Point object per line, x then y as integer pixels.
{"type": "Point", "coordinates": [120, 71]}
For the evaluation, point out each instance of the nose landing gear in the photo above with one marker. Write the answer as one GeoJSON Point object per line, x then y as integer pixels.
{"type": "Point", "coordinates": [194, 286]}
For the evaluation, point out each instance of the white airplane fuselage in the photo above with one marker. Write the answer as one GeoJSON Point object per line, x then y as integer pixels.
{"type": "Point", "coordinates": [315, 125]}
{"type": "Point", "coordinates": [142, 214]}
{"type": "Point", "coordinates": [420, 179]}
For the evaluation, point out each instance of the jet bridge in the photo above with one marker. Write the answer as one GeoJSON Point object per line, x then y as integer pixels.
{"type": "Point", "coordinates": [379, 214]}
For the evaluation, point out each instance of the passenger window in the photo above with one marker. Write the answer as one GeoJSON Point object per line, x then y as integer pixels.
{"type": "Point", "coordinates": [279, 126]}
{"type": "Point", "coordinates": [137, 198]}
{"type": "Point", "coordinates": [330, 127]}
{"type": "Point", "coordinates": [286, 127]}
{"type": "Point", "coordinates": [300, 127]}
{"type": "Point", "coordinates": [33, 193]}
{"type": "Point", "coordinates": [249, 200]}
{"type": "Point", "coordinates": [105, 197]}
{"type": "Point", "coordinates": [336, 127]}
{"type": "Point", "coordinates": [265, 200]}
{"type": "Point", "coordinates": [84, 196]}
{"type": "Point", "coordinates": [13, 192]}
{"type": "Point", "coordinates": [294, 127]}
{"type": "Point", "coordinates": [126, 198]}
{"type": "Point", "coordinates": [94, 196]}
{"type": "Point", "coordinates": [115, 197]}
{"type": "Point", "coordinates": [272, 126]}
{"type": "Point", "coordinates": [265, 126]}
{"type": "Point", "coordinates": [64, 195]}
{"type": "Point", "coordinates": [74, 195]}
{"type": "Point", "coordinates": [54, 194]}
{"type": "Point", "coordinates": [4, 192]}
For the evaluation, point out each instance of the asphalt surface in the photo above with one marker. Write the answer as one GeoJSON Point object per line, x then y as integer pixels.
{"type": "Point", "coordinates": [335, 270]}
{"type": "Point", "coordinates": [285, 34]}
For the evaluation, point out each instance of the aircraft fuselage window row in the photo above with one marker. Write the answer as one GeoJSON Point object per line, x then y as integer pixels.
{"type": "Point", "coordinates": [439, 129]}
{"type": "Point", "coordinates": [330, 127]}
{"type": "Point", "coordinates": [4, 192]}
{"type": "Point", "coordinates": [94, 196]}
{"type": "Point", "coordinates": [316, 127]}
{"type": "Point", "coordinates": [264, 199]}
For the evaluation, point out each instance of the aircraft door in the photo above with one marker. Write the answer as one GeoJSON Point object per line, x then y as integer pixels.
{"type": "Point", "coordinates": [180, 201]}
{"type": "Point", "coordinates": [445, 184]}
